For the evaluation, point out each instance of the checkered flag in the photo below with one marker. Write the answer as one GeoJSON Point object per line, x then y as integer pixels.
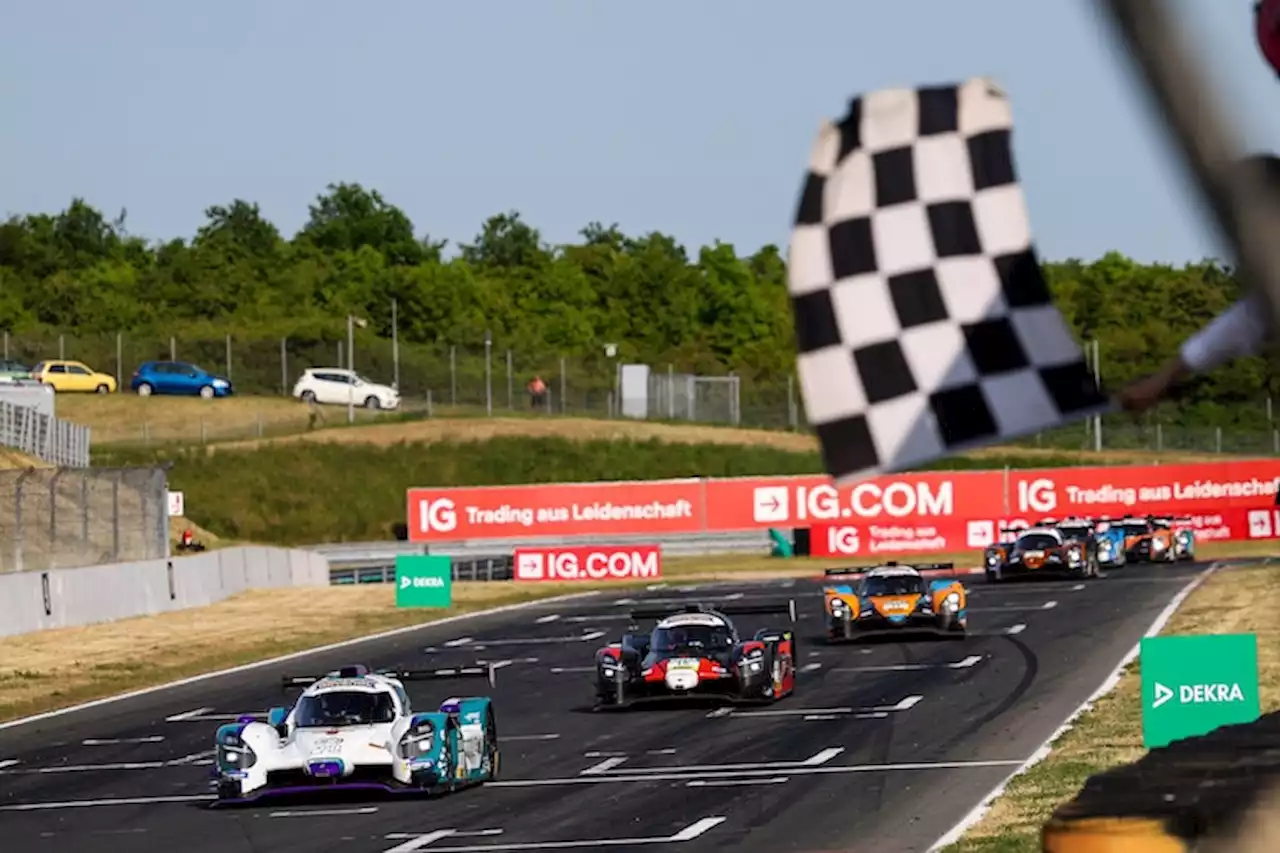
{"type": "Point", "coordinates": [923, 322]}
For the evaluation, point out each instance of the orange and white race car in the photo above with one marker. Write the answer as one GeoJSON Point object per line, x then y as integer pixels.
{"type": "Point", "coordinates": [893, 599]}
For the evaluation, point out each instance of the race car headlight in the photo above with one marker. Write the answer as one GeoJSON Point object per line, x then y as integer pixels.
{"type": "Point", "coordinates": [992, 559]}
{"type": "Point", "coordinates": [952, 601]}
{"type": "Point", "coordinates": [234, 754]}
{"type": "Point", "coordinates": [1157, 545]}
{"type": "Point", "coordinates": [417, 741]}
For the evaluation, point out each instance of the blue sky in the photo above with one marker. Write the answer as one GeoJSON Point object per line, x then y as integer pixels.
{"type": "Point", "coordinates": [692, 117]}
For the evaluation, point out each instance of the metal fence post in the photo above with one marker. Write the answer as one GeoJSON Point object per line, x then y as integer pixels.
{"type": "Point", "coordinates": [453, 375]}
{"type": "Point", "coordinates": [84, 509]}
{"type": "Point", "coordinates": [228, 357]}
{"type": "Point", "coordinates": [62, 347]}
{"type": "Point", "coordinates": [115, 516]}
{"type": "Point", "coordinates": [564, 390]}
{"type": "Point", "coordinates": [53, 518]}
{"type": "Point", "coordinates": [284, 367]}
{"type": "Point", "coordinates": [511, 388]}
{"type": "Point", "coordinates": [173, 348]}
{"type": "Point", "coordinates": [119, 360]}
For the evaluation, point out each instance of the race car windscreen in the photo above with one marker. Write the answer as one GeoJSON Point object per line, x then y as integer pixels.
{"type": "Point", "coordinates": [688, 637]}
{"type": "Point", "coordinates": [1075, 532]}
{"type": "Point", "coordinates": [344, 708]}
{"type": "Point", "coordinates": [1037, 542]}
{"type": "Point", "coordinates": [894, 585]}
{"type": "Point", "coordinates": [1136, 528]}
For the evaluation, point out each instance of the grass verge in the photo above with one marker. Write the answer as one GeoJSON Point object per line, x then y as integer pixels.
{"type": "Point", "coordinates": [1235, 600]}
{"type": "Point", "coordinates": [54, 669]}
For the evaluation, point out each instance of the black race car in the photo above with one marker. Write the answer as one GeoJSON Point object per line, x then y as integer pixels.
{"type": "Point", "coordinates": [697, 652]}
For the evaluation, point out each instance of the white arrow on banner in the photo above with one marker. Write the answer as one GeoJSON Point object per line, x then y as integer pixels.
{"type": "Point", "coordinates": [1163, 694]}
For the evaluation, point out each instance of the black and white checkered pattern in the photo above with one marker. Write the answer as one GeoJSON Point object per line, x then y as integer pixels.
{"type": "Point", "coordinates": [923, 322]}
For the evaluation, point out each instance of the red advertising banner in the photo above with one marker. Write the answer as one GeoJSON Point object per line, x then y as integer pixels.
{"type": "Point", "coordinates": [560, 509]}
{"type": "Point", "coordinates": [589, 563]}
{"type": "Point", "coordinates": [934, 505]}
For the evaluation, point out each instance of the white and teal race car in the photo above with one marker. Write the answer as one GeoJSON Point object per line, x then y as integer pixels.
{"type": "Point", "coordinates": [354, 729]}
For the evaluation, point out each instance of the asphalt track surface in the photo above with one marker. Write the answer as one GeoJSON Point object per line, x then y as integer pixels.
{"type": "Point", "coordinates": [883, 746]}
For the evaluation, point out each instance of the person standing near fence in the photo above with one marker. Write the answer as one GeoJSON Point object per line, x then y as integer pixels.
{"type": "Point", "coordinates": [537, 392]}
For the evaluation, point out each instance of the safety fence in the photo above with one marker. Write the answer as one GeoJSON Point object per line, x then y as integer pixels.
{"type": "Point", "coordinates": [43, 436]}
{"type": "Point", "coordinates": [57, 518]}
{"type": "Point", "coordinates": [491, 379]}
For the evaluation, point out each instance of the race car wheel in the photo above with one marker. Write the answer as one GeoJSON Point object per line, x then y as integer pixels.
{"type": "Point", "coordinates": [229, 789]}
{"type": "Point", "coordinates": [491, 752]}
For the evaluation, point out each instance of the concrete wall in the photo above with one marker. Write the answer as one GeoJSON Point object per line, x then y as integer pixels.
{"type": "Point", "coordinates": [64, 598]}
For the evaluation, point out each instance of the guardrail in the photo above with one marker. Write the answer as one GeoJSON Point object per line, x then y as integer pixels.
{"type": "Point", "coordinates": [492, 560]}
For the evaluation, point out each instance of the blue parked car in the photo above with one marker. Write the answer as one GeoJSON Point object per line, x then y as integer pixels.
{"type": "Point", "coordinates": [177, 377]}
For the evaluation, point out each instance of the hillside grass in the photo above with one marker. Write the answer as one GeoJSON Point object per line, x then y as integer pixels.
{"type": "Point", "coordinates": [299, 493]}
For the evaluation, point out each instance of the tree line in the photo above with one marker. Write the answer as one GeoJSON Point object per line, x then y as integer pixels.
{"type": "Point", "coordinates": [709, 310]}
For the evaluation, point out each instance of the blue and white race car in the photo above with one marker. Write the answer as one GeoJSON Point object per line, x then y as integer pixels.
{"type": "Point", "coordinates": [1111, 542]}
{"type": "Point", "coordinates": [356, 729]}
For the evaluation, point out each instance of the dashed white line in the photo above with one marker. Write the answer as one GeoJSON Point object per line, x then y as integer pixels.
{"type": "Point", "coordinates": [1077, 587]}
{"type": "Point", "coordinates": [810, 667]}
{"type": "Point", "coordinates": [326, 812]}
{"type": "Point", "coordinates": [727, 783]}
{"type": "Point", "coordinates": [460, 641]}
{"type": "Point", "coordinates": [531, 737]}
{"type": "Point", "coordinates": [966, 663]}
{"type": "Point", "coordinates": [109, 741]}
{"type": "Point", "coordinates": [420, 842]}
{"type": "Point", "coordinates": [1015, 629]}
{"type": "Point", "coordinates": [543, 620]}
{"type": "Point", "coordinates": [187, 715]}
{"type": "Point", "coordinates": [1049, 605]}
{"type": "Point", "coordinates": [604, 766]}
{"type": "Point", "coordinates": [563, 669]}
{"type": "Point", "coordinates": [602, 754]}
{"type": "Point", "coordinates": [8, 762]}
{"type": "Point", "coordinates": [816, 760]}
{"type": "Point", "coordinates": [905, 704]}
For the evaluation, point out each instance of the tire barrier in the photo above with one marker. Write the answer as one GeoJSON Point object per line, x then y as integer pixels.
{"type": "Point", "coordinates": [1216, 792]}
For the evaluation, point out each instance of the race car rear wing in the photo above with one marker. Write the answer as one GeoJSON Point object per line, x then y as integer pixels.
{"type": "Point", "coordinates": [855, 571]}
{"type": "Point", "coordinates": [649, 614]}
{"type": "Point", "coordinates": [488, 671]}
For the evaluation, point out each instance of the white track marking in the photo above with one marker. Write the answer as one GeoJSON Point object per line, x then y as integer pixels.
{"type": "Point", "coordinates": [110, 741]}
{"type": "Point", "coordinates": [604, 766]}
{"type": "Point", "coordinates": [1049, 605]}
{"type": "Point", "coordinates": [326, 812]}
{"type": "Point", "coordinates": [529, 641]}
{"type": "Point", "coordinates": [542, 620]}
{"type": "Point", "coordinates": [531, 737]}
{"type": "Point", "coordinates": [966, 663]}
{"type": "Point", "coordinates": [810, 667]}
{"type": "Point", "coordinates": [558, 670]}
{"type": "Point", "coordinates": [8, 762]}
{"type": "Point", "coordinates": [689, 833]}
{"type": "Point", "coordinates": [725, 783]}
{"type": "Point", "coordinates": [418, 842]}
{"type": "Point", "coordinates": [1015, 629]}
{"type": "Point", "coordinates": [905, 704]}
{"type": "Point", "coordinates": [187, 715]}
{"type": "Point", "coordinates": [816, 760]}
{"type": "Point", "coordinates": [460, 641]}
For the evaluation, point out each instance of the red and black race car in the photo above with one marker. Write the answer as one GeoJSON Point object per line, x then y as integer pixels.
{"type": "Point", "coordinates": [697, 653]}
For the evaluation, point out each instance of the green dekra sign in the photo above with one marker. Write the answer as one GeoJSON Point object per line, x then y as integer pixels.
{"type": "Point", "coordinates": [424, 581]}
{"type": "Point", "coordinates": [1192, 685]}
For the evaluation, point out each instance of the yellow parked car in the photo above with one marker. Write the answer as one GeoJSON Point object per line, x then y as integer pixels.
{"type": "Point", "coordinates": [62, 376]}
